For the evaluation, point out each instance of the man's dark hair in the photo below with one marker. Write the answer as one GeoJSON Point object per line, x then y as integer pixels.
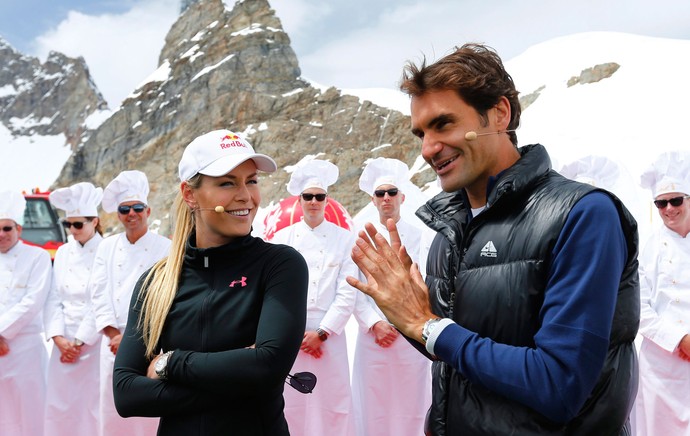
{"type": "Point", "coordinates": [476, 72]}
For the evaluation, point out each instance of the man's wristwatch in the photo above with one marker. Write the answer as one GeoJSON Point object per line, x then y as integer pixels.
{"type": "Point", "coordinates": [429, 326]}
{"type": "Point", "coordinates": [161, 366]}
{"type": "Point", "coordinates": [323, 334]}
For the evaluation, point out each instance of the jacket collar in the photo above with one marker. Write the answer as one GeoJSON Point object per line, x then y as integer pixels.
{"type": "Point", "coordinates": [204, 257]}
{"type": "Point", "coordinates": [447, 207]}
{"type": "Point", "coordinates": [533, 164]}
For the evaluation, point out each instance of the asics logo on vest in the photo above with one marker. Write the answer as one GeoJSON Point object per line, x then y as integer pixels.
{"type": "Point", "coordinates": [489, 250]}
{"type": "Point", "coordinates": [242, 282]}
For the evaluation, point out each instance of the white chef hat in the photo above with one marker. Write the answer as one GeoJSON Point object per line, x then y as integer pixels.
{"type": "Point", "coordinates": [312, 174]}
{"type": "Point", "coordinates": [12, 206]}
{"type": "Point", "coordinates": [127, 186]}
{"type": "Point", "coordinates": [597, 171]}
{"type": "Point", "coordinates": [383, 171]}
{"type": "Point", "coordinates": [217, 153]}
{"type": "Point", "coordinates": [81, 199]}
{"type": "Point", "coordinates": [668, 173]}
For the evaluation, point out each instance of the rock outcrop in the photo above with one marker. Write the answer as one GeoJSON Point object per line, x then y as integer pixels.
{"type": "Point", "coordinates": [594, 74]}
{"type": "Point", "coordinates": [46, 99]}
{"type": "Point", "coordinates": [235, 69]}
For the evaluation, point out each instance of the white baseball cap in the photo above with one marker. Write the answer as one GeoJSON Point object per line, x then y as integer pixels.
{"type": "Point", "coordinates": [81, 199]}
{"type": "Point", "coordinates": [217, 153]}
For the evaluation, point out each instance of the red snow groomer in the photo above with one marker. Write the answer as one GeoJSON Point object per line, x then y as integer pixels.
{"type": "Point", "coordinates": [42, 226]}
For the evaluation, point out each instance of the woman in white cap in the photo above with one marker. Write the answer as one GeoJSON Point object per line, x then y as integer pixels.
{"type": "Point", "coordinates": [72, 389]}
{"type": "Point", "coordinates": [215, 327]}
{"type": "Point", "coordinates": [664, 389]}
{"type": "Point", "coordinates": [25, 276]}
{"type": "Point", "coordinates": [326, 248]}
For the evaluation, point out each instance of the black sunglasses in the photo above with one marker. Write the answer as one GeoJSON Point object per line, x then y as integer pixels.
{"type": "Point", "coordinates": [310, 197]}
{"type": "Point", "coordinates": [675, 202]}
{"type": "Point", "coordinates": [7, 229]}
{"type": "Point", "coordinates": [381, 192]}
{"type": "Point", "coordinates": [77, 224]}
{"type": "Point", "coordinates": [304, 382]}
{"type": "Point", "coordinates": [138, 208]}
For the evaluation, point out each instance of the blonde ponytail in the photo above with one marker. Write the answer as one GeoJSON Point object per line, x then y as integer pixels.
{"type": "Point", "coordinates": [161, 284]}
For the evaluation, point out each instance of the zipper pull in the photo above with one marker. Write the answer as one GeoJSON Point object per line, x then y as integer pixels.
{"type": "Point", "coordinates": [205, 261]}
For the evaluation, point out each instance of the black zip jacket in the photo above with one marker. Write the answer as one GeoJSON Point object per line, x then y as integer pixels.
{"type": "Point", "coordinates": [235, 325]}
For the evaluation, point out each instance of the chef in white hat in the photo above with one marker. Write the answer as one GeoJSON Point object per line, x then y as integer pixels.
{"type": "Point", "coordinates": [120, 260]}
{"type": "Point", "coordinates": [598, 171]}
{"type": "Point", "coordinates": [72, 390]}
{"type": "Point", "coordinates": [25, 277]}
{"type": "Point", "coordinates": [383, 405]}
{"type": "Point", "coordinates": [662, 402]}
{"type": "Point", "coordinates": [330, 300]}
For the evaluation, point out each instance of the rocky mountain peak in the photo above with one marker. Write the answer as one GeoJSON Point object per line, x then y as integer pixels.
{"type": "Point", "coordinates": [235, 69]}
{"type": "Point", "coordinates": [46, 99]}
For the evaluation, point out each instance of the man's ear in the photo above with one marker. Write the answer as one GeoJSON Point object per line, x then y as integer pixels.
{"type": "Point", "coordinates": [502, 113]}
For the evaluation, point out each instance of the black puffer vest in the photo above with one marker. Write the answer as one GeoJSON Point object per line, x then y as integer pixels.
{"type": "Point", "coordinates": [525, 213]}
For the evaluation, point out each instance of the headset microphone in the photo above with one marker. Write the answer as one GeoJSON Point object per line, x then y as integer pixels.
{"type": "Point", "coordinates": [217, 209]}
{"type": "Point", "coordinates": [472, 135]}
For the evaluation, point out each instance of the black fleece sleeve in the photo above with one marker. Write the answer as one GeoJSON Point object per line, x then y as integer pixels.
{"type": "Point", "coordinates": [137, 395]}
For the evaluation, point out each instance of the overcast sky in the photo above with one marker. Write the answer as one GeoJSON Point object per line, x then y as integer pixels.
{"type": "Point", "coordinates": [345, 43]}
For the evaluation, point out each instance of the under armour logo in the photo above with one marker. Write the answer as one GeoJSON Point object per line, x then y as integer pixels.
{"type": "Point", "coordinates": [489, 250]}
{"type": "Point", "coordinates": [242, 282]}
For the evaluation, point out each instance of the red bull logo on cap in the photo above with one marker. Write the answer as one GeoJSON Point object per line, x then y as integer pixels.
{"type": "Point", "coordinates": [231, 141]}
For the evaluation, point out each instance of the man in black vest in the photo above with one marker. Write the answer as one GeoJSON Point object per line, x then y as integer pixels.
{"type": "Point", "coordinates": [531, 301]}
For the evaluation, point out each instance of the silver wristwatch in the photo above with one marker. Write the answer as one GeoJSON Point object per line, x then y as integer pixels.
{"type": "Point", "coordinates": [429, 326]}
{"type": "Point", "coordinates": [161, 366]}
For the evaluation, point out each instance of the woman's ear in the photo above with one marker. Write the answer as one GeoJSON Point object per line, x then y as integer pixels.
{"type": "Point", "coordinates": [188, 195]}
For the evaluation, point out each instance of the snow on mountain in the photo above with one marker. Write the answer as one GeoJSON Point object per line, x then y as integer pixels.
{"type": "Point", "coordinates": [385, 97]}
{"type": "Point", "coordinates": [629, 117]}
{"type": "Point", "coordinates": [30, 162]}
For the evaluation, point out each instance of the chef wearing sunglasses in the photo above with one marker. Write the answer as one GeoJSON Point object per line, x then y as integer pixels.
{"type": "Point", "coordinates": [323, 352]}
{"type": "Point", "coordinates": [25, 277]}
{"type": "Point", "coordinates": [120, 260]}
{"type": "Point", "coordinates": [665, 300]}
{"type": "Point", "coordinates": [72, 389]}
{"type": "Point", "coordinates": [383, 357]}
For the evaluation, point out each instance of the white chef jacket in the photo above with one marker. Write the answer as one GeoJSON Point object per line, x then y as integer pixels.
{"type": "Point", "coordinates": [25, 278]}
{"type": "Point", "coordinates": [663, 402]}
{"type": "Point", "coordinates": [391, 386]}
{"type": "Point", "coordinates": [116, 269]}
{"type": "Point", "coordinates": [330, 300]}
{"type": "Point", "coordinates": [72, 390]}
